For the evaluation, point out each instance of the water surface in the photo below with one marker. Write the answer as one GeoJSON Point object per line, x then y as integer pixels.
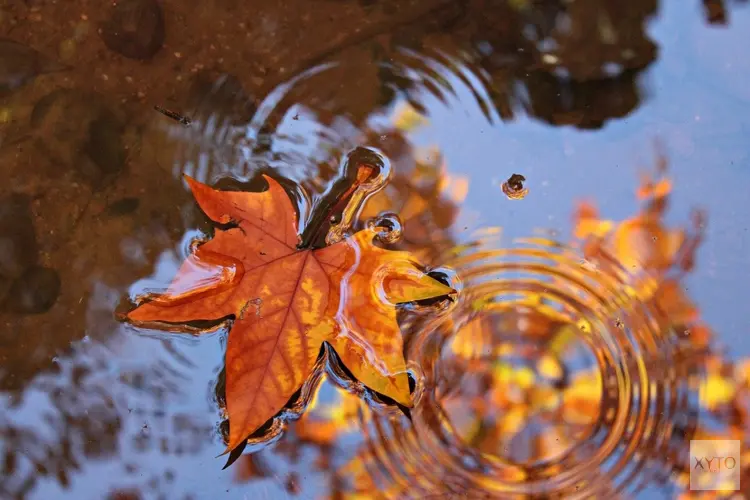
{"type": "Point", "coordinates": [459, 96]}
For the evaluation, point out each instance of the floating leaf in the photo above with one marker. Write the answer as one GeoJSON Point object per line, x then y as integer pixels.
{"type": "Point", "coordinates": [287, 301]}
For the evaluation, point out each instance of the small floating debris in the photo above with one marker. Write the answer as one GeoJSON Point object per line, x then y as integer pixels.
{"type": "Point", "coordinates": [174, 115]}
{"type": "Point", "coordinates": [513, 187]}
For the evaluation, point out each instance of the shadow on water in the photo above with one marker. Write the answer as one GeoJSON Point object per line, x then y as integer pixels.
{"type": "Point", "coordinates": [459, 96]}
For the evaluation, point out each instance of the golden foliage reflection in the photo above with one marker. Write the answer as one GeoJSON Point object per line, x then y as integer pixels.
{"type": "Point", "coordinates": [580, 369]}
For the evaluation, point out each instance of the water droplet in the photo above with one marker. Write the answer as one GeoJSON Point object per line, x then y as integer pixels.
{"type": "Point", "coordinates": [388, 226]}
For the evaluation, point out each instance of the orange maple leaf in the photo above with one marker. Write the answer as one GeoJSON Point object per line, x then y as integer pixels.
{"type": "Point", "coordinates": [287, 301]}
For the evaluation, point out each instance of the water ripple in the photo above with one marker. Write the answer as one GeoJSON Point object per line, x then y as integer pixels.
{"type": "Point", "coordinates": [550, 378]}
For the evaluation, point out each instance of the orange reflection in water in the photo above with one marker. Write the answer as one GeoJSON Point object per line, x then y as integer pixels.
{"type": "Point", "coordinates": [555, 375]}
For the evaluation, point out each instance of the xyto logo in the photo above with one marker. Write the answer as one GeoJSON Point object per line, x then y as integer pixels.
{"type": "Point", "coordinates": [715, 465]}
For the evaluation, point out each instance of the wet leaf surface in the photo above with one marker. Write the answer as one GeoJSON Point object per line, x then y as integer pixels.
{"type": "Point", "coordinates": [287, 301]}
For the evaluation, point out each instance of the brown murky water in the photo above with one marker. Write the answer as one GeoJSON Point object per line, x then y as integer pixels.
{"type": "Point", "coordinates": [578, 362]}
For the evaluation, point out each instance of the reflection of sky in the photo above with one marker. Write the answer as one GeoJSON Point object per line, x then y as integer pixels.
{"type": "Point", "coordinates": [190, 367]}
{"type": "Point", "coordinates": [179, 373]}
{"type": "Point", "coordinates": [701, 118]}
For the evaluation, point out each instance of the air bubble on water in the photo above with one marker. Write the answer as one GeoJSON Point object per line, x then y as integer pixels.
{"type": "Point", "coordinates": [388, 226]}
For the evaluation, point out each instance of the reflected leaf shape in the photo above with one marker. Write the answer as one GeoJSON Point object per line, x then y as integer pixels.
{"type": "Point", "coordinates": [344, 294]}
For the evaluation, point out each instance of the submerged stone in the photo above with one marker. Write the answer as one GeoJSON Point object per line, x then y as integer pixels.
{"type": "Point", "coordinates": [78, 130]}
{"type": "Point", "coordinates": [18, 246]}
{"type": "Point", "coordinates": [35, 292]}
{"type": "Point", "coordinates": [134, 29]}
{"type": "Point", "coordinates": [19, 64]}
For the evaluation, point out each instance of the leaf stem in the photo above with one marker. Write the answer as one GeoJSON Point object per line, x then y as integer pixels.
{"type": "Point", "coordinates": [359, 167]}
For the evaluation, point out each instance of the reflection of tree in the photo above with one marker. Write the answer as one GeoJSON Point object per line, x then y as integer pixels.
{"type": "Point", "coordinates": [107, 253]}
{"type": "Point", "coordinates": [566, 63]}
{"type": "Point", "coordinates": [421, 192]}
{"type": "Point", "coordinates": [643, 241]}
{"type": "Point", "coordinates": [563, 63]}
{"type": "Point", "coordinates": [64, 407]}
{"type": "Point", "coordinates": [87, 413]}
{"type": "Point", "coordinates": [715, 11]}
{"type": "Point", "coordinates": [85, 425]}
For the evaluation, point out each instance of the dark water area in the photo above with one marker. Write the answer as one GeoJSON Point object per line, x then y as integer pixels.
{"type": "Point", "coordinates": [580, 361]}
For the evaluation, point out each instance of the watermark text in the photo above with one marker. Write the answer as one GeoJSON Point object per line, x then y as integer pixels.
{"type": "Point", "coordinates": [715, 465]}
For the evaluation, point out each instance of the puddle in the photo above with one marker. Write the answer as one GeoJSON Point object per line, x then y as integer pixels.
{"type": "Point", "coordinates": [562, 369]}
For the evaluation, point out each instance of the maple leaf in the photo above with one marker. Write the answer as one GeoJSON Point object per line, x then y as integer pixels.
{"type": "Point", "coordinates": [287, 301]}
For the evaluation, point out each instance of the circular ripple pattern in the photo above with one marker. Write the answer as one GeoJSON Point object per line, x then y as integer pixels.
{"type": "Point", "coordinates": [552, 377]}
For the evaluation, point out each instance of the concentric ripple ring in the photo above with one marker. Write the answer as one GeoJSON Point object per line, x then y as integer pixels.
{"type": "Point", "coordinates": [553, 376]}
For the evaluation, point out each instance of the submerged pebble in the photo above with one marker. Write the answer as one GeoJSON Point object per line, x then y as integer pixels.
{"type": "Point", "coordinates": [35, 292]}
{"type": "Point", "coordinates": [5, 285]}
{"type": "Point", "coordinates": [19, 64]}
{"type": "Point", "coordinates": [77, 130]}
{"type": "Point", "coordinates": [18, 247]}
{"type": "Point", "coordinates": [124, 206]}
{"type": "Point", "coordinates": [134, 28]}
